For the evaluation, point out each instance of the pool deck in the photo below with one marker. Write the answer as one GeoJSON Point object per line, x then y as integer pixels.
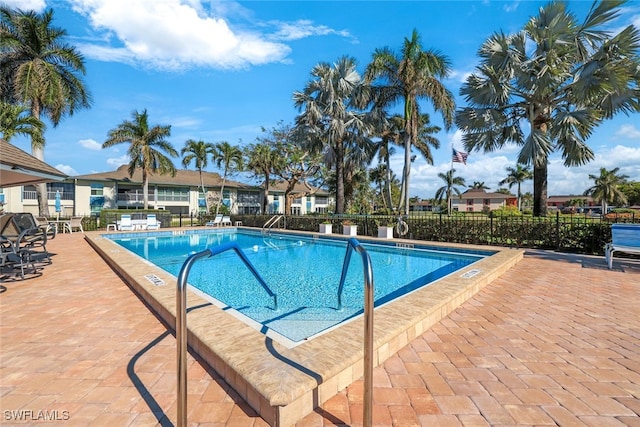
{"type": "Point", "coordinates": [554, 340]}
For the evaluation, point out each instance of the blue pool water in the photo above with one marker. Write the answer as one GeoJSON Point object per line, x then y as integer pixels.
{"type": "Point", "coordinates": [304, 273]}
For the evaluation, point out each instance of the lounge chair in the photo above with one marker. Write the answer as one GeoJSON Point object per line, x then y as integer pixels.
{"type": "Point", "coordinates": [624, 238]}
{"type": "Point", "coordinates": [125, 223]}
{"type": "Point", "coordinates": [25, 234]}
{"type": "Point", "coordinates": [50, 227]}
{"type": "Point", "coordinates": [152, 222]}
{"type": "Point", "coordinates": [216, 221]}
{"type": "Point", "coordinates": [226, 220]}
{"type": "Point", "coordinates": [13, 257]}
{"type": "Point", "coordinates": [74, 222]}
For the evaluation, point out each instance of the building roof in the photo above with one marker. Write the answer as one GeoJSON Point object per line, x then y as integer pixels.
{"type": "Point", "coordinates": [183, 177]}
{"type": "Point", "coordinates": [475, 193]}
{"type": "Point", "coordinates": [17, 167]}
{"type": "Point", "coordinates": [299, 188]}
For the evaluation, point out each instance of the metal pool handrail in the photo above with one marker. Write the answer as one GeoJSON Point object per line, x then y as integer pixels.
{"type": "Point", "coordinates": [354, 245]}
{"type": "Point", "coordinates": [271, 222]}
{"type": "Point", "coordinates": [181, 317]}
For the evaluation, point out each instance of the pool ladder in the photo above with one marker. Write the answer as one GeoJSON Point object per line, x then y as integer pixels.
{"type": "Point", "coordinates": [181, 320]}
{"type": "Point", "coordinates": [266, 228]}
{"type": "Point", "coordinates": [181, 316]}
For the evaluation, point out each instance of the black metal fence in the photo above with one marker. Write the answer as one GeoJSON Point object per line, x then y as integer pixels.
{"type": "Point", "coordinates": [575, 233]}
{"type": "Point", "coordinates": [567, 233]}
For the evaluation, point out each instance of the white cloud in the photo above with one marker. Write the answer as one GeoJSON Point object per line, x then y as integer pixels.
{"type": "Point", "coordinates": [118, 161]}
{"type": "Point", "coordinates": [66, 169]}
{"type": "Point", "coordinates": [90, 144]}
{"type": "Point", "coordinates": [304, 28]}
{"type": "Point", "coordinates": [37, 5]}
{"type": "Point", "coordinates": [490, 168]}
{"type": "Point", "coordinates": [511, 7]}
{"type": "Point", "coordinates": [628, 131]}
{"type": "Point", "coordinates": [175, 34]}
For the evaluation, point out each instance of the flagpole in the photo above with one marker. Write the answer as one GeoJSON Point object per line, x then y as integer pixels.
{"type": "Point", "coordinates": [451, 177]}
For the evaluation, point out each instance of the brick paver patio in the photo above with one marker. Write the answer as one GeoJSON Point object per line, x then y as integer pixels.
{"type": "Point", "coordinates": [554, 341]}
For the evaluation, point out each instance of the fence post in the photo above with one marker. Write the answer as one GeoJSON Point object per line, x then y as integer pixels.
{"type": "Point", "coordinates": [558, 230]}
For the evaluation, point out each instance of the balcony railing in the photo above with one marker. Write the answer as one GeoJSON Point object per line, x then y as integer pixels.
{"type": "Point", "coordinates": [51, 195]}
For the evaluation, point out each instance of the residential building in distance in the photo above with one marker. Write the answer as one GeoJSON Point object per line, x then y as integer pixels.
{"type": "Point", "coordinates": [318, 201]}
{"type": "Point", "coordinates": [477, 200]}
{"type": "Point", "coordinates": [181, 194]}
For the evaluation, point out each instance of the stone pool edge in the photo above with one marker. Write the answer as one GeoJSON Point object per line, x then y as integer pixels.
{"type": "Point", "coordinates": [284, 385]}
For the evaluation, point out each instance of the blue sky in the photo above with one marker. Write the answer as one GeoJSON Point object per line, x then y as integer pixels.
{"type": "Point", "coordinates": [222, 70]}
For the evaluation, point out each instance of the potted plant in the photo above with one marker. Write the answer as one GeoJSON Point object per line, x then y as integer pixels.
{"type": "Point", "coordinates": [385, 231]}
{"type": "Point", "coordinates": [349, 228]}
{"type": "Point", "coordinates": [326, 227]}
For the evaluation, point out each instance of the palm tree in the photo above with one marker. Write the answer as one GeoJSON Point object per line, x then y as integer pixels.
{"type": "Point", "coordinates": [262, 160]}
{"type": "Point", "coordinates": [606, 189]}
{"type": "Point", "coordinates": [516, 177]}
{"type": "Point", "coordinates": [332, 117]}
{"type": "Point", "coordinates": [229, 158]}
{"type": "Point", "coordinates": [15, 120]}
{"type": "Point", "coordinates": [40, 71]}
{"type": "Point", "coordinates": [556, 80]}
{"type": "Point", "coordinates": [198, 152]}
{"type": "Point", "coordinates": [412, 75]}
{"type": "Point", "coordinates": [143, 140]}
{"type": "Point", "coordinates": [478, 185]}
{"type": "Point", "coordinates": [452, 183]}
{"type": "Point", "coordinates": [378, 177]}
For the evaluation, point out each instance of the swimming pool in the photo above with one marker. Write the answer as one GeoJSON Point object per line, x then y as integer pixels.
{"type": "Point", "coordinates": [303, 272]}
{"type": "Point", "coordinates": [282, 383]}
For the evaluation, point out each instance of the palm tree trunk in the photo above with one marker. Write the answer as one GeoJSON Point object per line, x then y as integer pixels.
{"type": "Point", "coordinates": [519, 199]}
{"type": "Point", "coordinates": [38, 152]}
{"type": "Point", "coordinates": [407, 168]}
{"type": "Point", "coordinates": [204, 192]}
{"type": "Point", "coordinates": [145, 189]}
{"type": "Point", "coordinates": [265, 199]}
{"type": "Point", "coordinates": [388, 181]}
{"type": "Point", "coordinates": [540, 190]}
{"type": "Point", "coordinates": [340, 178]}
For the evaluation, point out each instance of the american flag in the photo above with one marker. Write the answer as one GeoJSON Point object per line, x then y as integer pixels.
{"type": "Point", "coordinates": [459, 156]}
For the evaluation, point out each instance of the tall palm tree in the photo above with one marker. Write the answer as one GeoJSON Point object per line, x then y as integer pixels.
{"type": "Point", "coordinates": [478, 185]}
{"type": "Point", "coordinates": [332, 116]}
{"type": "Point", "coordinates": [228, 158]}
{"type": "Point", "coordinates": [548, 86]}
{"type": "Point", "coordinates": [407, 77]}
{"type": "Point", "coordinates": [516, 176]}
{"type": "Point", "coordinates": [39, 70]}
{"type": "Point", "coordinates": [606, 188]}
{"type": "Point", "coordinates": [143, 142]}
{"type": "Point", "coordinates": [378, 177]}
{"type": "Point", "coordinates": [262, 160]}
{"type": "Point", "coordinates": [16, 120]}
{"type": "Point", "coordinates": [452, 183]}
{"type": "Point", "coordinates": [198, 152]}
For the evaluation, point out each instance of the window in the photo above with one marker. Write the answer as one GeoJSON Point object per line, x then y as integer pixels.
{"type": "Point", "coordinates": [486, 202]}
{"type": "Point", "coordinates": [248, 198]}
{"type": "Point", "coordinates": [97, 190]}
{"type": "Point", "coordinates": [173, 194]}
{"type": "Point", "coordinates": [295, 210]}
{"type": "Point", "coordinates": [322, 200]}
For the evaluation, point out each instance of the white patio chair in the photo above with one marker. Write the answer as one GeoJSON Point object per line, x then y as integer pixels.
{"type": "Point", "coordinates": [125, 223]}
{"type": "Point", "coordinates": [152, 222]}
{"type": "Point", "coordinates": [74, 222]}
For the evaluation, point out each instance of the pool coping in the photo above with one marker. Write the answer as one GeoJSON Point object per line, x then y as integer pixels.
{"type": "Point", "coordinates": [284, 385]}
